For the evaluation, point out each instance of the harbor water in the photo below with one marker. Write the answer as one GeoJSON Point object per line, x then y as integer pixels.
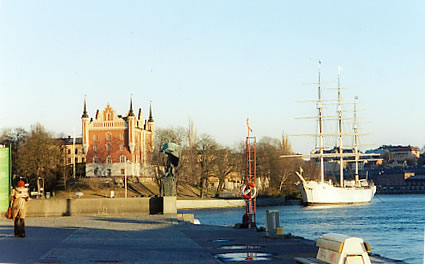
{"type": "Point", "coordinates": [392, 224]}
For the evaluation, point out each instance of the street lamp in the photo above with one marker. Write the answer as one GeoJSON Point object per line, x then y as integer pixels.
{"type": "Point", "coordinates": [73, 153]}
{"type": "Point", "coordinates": [125, 176]}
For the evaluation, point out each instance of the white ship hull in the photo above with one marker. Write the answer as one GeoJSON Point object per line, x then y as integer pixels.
{"type": "Point", "coordinates": [316, 193]}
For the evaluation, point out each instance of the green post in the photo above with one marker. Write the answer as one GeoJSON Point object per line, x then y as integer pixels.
{"type": "Point", "coordinates": [4, 178]}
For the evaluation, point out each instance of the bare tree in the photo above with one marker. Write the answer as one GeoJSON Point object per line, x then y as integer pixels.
{"type": "Point", "coordinates": [271, 167]}
{"type": "Point", "coordinates": [287, 166]}
{"type": "Point", "coordinates": [224, 165]}
{"type": "Point", "coordinates": [39, 155]}
{"type": "Point", "coordinates": [268, 150]}
{"type": "Point", "coordinates": [13, 138]}
{"type": "Point", "coordinates": [207, 150]}
{"type": "Point", "coordinates": [189, 168]}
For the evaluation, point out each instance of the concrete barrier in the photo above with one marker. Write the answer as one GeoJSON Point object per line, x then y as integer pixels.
{"type": "Point", "coordinates": [204, 204]}
{"type": "Point", "coordinates": [169, 205]}
{"type": "Point", "coordinates": [126, 206]}
{"type": "Point", "coordinates": [229, 203]}
{"type": "Point", "coordinates": [188, 218]}
{"type": "Point", "coordinates": [99, 206]}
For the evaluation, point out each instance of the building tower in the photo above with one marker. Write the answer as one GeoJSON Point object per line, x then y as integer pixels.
{"type": "Point", "coordinates": [150, 120]}
{"type": "Point", "coordinates": [131, 128]}
{"type": "Point", "coordinates": [85, 127]}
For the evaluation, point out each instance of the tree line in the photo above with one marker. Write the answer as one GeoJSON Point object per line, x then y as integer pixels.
{"type": "Point", "coordinates": [35, 153]}
{"type": "Point", "coordinates": [203, 157]}
{"type": "Point", "coordinates": [38, 153]}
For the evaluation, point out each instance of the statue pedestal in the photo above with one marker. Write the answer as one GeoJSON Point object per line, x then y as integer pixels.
{"type": "Point", "coordinates": [169, 185]}
{"type": "Point", "coordinates": [169, 205]}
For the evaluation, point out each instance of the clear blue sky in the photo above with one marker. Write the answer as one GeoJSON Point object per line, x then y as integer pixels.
{"type": "Point", "coordinates": [216, 62]}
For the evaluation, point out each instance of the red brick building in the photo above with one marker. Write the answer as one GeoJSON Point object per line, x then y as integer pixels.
{"type": "Point", "coordinates": [117, 145]}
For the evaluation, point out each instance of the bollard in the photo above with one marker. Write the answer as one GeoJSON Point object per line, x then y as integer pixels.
{"type": "Point", "coordinates": [272, 222]}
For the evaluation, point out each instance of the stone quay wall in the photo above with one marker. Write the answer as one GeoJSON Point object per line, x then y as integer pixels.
{"type": "Point", "coordinates": [131, 206]}
{"type": "Point", "coordinates": [100, 206]}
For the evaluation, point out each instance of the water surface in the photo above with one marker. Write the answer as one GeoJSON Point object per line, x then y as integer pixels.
{"type": "Point", "coordinates": [392, 224]}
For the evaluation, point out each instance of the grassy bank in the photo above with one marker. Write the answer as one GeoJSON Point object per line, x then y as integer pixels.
{"type": "Point", "coordinates": [102, 187]}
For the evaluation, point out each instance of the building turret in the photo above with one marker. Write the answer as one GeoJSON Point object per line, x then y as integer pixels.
{"type": "Point", "coordinates": [150, 120]}
{"type": "Point", "coordinates": [140, 118]}
{"type": "Point", "coordinates": [85, 115]}
{"type": "Point", "coordinates": [131, 113]}
{"type": "Point", "coordinates": [85, 127]}
{"type": "Point", "coordinates": [131, 127]}
{"type": "Point", "coordinates": [151, 128]}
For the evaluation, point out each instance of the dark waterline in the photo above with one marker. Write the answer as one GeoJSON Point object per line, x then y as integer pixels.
{"type": "Point", "coordinates": [392, 224]}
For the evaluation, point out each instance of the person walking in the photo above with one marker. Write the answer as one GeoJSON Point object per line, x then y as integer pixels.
{"type": "Point", "coordinates": [19, 198]}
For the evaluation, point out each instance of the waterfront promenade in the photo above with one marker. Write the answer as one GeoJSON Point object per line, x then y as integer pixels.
{"type": "Point", "coordinates": [141, 239]}
{"type": "Point", "coordinates": [146, 239]}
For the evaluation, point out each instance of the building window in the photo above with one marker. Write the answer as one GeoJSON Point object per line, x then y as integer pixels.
{"type": "Point", "coordinates": [76, 151]}
{"type": "Point", "coordinates": [96, 171]}
{"type": "Point", "coordinates": [108, 172]}
{"type": "Point", "coordinates": [69, 160]}
{"type": "Point", "coordinates": [95, 137]}
{"type": "Point", "coordinates": [108, 147]}
{"type": "Point", "coordinates": [108, 136]}
{"type": "Point", "coordinates": [122, 171]}
{"type": "Point", "coordinates": [109, 160]}
{"type": "Point", "coordinates": [122, 136]}
{"type": "Point", "coordinates": [69, 151]}
{"type": "Point", "coordinates": [122, 147]}
{"type": "Point", "coordinates": [95, 159]}
{"type": "Point", "coordinates": [122, 159]}
{"type": "Point", "coordinates": [83, 160]}
{"type": "Point", "coordinates": [76, 160]}
{"type": "Point", "coordinates": [95, 148]}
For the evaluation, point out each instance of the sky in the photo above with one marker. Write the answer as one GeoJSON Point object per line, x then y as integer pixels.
{"type": "Point", "coordinates": [216, 63]}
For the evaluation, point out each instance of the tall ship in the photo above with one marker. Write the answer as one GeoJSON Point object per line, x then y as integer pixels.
{"type": "Point", "coordinates": [326, 192]}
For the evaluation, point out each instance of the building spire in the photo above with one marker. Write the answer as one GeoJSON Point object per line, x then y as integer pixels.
{"type": "Point", "coordinates": [131, 113]}
{"type": "Point", "coordinates": [85, 115]}
{"type": "Point", "coordinates": [150, 113]}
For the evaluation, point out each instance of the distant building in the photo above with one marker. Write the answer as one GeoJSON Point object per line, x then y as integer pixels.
{"type": "Point", "coordinates": [115, 145]}
{"type": "Point", "coordinates": [404, 153]}
{"type": "Point", "coordinates": [398, 155]}
{"type": "Point", "coordinates": [332, 164]}
{"type": "Point", "coordinates": [399, 180]}
{"type": "Point", "coordinates": [76, 147]}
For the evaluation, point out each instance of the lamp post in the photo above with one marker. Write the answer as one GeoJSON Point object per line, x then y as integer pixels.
{"type": "Point", "coordinates": [125, 178]}
{"type": "Point", "coordinates": [73, 153]}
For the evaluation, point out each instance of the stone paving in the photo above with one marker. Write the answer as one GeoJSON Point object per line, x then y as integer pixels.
{"type": "Point", "coordinates": [100, 240]}
{"type": "Point", "coordinates": [142, 239]}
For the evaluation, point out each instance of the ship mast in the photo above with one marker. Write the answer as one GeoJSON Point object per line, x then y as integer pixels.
{"type": "Point", "coordinates": [319, 107]}
{"type": "Point", "coordinates": [341, 159]}
{"type": "Point", "coordinates": [356, 139]}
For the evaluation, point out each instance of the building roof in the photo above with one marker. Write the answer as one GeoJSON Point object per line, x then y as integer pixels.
{"type": "Point", "coordinates": [69, 140]}
{"type": "Point", "coordinates": [390, 148]}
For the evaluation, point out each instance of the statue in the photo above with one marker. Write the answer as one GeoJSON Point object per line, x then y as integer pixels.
{"type": "Point", "coordinates": [169, 179]}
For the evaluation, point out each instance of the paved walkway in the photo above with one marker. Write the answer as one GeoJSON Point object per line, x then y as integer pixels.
{"type": "Point", "coordinates": [145, 239]}
{"type": "Point", "coordinates": [148, 239]}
